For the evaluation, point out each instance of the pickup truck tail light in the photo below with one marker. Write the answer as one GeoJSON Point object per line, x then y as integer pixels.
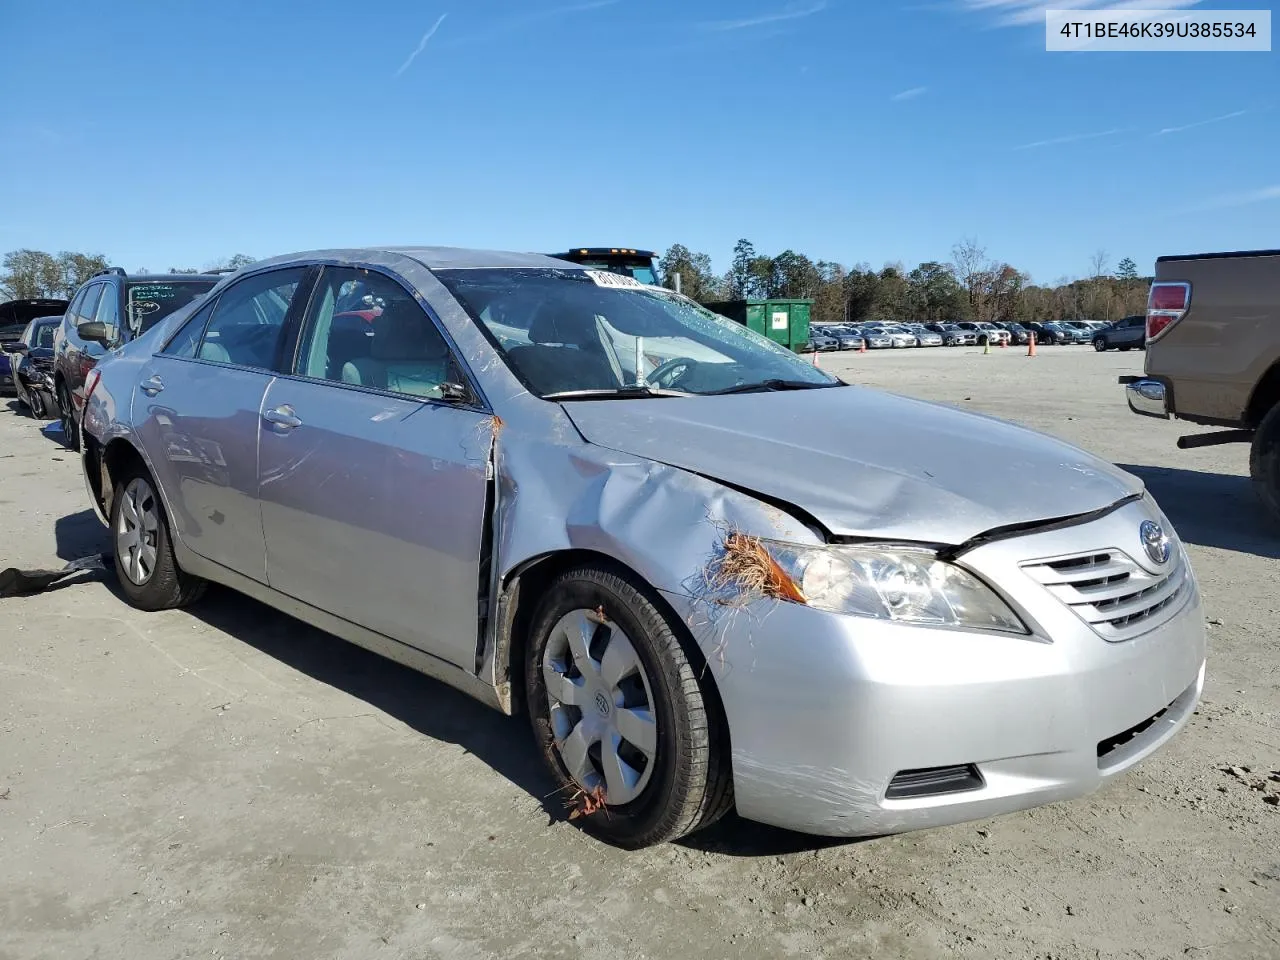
{"type": "Point", "coordinates": [1167, 304]}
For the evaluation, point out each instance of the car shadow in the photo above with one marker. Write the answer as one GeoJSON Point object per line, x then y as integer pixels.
{"type": "Point", "coordinates": [735, 837]}
{"type": "Point", "coordinates": [80, 535]}
{"type": "Point", "coordinates": [427, 706]}
{"type": "Point", "coordinates": [1211, 509]}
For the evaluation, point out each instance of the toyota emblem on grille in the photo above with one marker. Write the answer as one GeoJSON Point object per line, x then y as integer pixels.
{"type": "Point", "coordinates": [1154, 541]}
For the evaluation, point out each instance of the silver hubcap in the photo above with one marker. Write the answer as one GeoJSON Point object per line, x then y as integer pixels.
{"type": "Point", "coordinates": [601, 703]}
{"type": "Point", "coordinates": [136, 531]}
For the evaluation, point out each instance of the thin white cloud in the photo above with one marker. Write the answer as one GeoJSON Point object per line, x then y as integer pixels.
{"type": "Point", "coordinates": [909, 94]}
{"type": "Point", "coordinates": [422, 44]}
{"type": "Point", "coordinates": [792, 11]}
{"type": "Point", "coordinates": [1074, 138]}
{"type": "Point", "coordinates": [562, 11]}
{"type": "Point", "coordinates": [1021, 13]}
{"type": "Point", "coordinates": [1265, 195]}
{"type": "Point", "coordinates": [1201, 123]}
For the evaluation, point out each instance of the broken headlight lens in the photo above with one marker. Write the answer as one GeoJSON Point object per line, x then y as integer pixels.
{"type": "Point", "coordinates": [894, 583]}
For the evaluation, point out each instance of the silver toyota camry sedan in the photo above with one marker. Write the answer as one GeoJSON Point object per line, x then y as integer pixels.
{"type": "Point", "coordinates": [713, 575]}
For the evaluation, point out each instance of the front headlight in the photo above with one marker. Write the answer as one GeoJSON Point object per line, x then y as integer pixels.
{"type": "Point", "coordinates": [886, 582]}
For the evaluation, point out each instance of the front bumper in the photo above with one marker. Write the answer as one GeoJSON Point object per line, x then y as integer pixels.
{"type": "Point", "coordinates": [825, 711]}
{"type": "Point", "coordinates": [1147, 397]}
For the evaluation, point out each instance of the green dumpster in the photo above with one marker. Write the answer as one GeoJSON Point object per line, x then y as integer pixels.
{"type": "Point", "coordinates": [784, 321]}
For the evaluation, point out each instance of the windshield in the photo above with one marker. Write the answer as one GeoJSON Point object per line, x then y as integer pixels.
{"type": "Point", "coordinates": [44, 335]}
{"type": "Point", "coordinates": [572, 330]}
{"type": "Point", "coordinates": [149, 303]}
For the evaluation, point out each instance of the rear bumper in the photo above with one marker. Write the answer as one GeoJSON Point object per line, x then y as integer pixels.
{"type": "Point", "coordinates": [1148, 398]}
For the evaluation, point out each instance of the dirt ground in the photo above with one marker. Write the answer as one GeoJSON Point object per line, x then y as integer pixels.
{"type": "Point", "coordinates": [226, 782]}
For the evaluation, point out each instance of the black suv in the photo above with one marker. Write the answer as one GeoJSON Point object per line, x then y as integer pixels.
{"type": "Point", "coordinates": [1123, 334]}
{"type": "Point", "coordinates": [111, 309]}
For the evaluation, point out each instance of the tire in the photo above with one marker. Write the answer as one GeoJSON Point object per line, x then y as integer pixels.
{"type": "Point", "coordinates": [67, 414]}
{"type": "Point", "coordinates": [138, 517]}
{"type": "Point", "coordinates": [685, 783]}
{"type": "Point", "coordinates": [1123, 349]}
{"type": "Point", "coordinates": [1100, 345]}
{"type": "Point", "coordinates": [1264, 463]}
{"type": "Point", "coordinates": [35, 405]}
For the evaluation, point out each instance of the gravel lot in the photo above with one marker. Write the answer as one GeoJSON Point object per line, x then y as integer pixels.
{"type": "Point", "coordinates": [226, 782]}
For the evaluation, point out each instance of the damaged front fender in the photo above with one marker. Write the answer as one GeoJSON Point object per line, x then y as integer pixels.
{"type": "Point", "coordinates": [667, 525]}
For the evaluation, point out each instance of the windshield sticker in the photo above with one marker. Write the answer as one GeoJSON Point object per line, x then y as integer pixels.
{"type": "Point", "coordinates": [615, 281]}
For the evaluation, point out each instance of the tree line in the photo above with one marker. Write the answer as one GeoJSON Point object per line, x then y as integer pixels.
{"type": "Point", "coordinates": [970, 286]}
{"type": "Point", "coordinates": [34, 273]}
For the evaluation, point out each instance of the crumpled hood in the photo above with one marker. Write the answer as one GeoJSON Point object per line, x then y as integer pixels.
{"type": "Point", "coordinates": [862, 462]}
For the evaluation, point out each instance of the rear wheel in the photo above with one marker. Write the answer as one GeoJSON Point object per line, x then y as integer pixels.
{"type": "Point", "coordinates": [1264, 462]}
{"type": "Point", "coordinates": [149, 575]}
{"type": "Point", "coordinates": [66, 413]}
{"type": "Point", "coordinates": [626, 729]}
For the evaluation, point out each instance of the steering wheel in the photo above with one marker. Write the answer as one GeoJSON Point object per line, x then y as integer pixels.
{"type": "Point", "coordinates": [665, 375]}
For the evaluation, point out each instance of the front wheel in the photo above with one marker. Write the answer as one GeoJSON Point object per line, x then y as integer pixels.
{"type": "Point", "coordinates": [1100, 345]}
{"type": "Point", "coordinates": [1264, 462]}
{"type": "Point", "coordinates": [35, 404]}
{"type": "Point", "coordinates": [633, 741]}
{"type": "Point", "coordinates": [149, 575]}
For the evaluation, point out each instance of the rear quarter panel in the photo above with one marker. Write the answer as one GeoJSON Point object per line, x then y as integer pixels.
{"type": "Point", "coordinates": [1215, 355]}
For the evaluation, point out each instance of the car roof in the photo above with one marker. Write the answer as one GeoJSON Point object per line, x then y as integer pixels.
{"type": "Point", "coordinates": [435, 258]}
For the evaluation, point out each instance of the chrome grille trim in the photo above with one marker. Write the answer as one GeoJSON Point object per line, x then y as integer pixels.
{"type": "Point", "coordinates": [1112, 593]}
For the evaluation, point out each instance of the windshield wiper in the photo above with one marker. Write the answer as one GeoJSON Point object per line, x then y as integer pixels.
{"type": "Point", "coordinates": [770, 385]}
{"type": "Point", "coordinates": [632, 392]}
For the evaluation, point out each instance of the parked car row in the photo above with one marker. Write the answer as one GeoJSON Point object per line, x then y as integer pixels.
{"type": "Point", "coordinates": [48, 347]}
{"type": "Point", "coordinates": [877, 335]}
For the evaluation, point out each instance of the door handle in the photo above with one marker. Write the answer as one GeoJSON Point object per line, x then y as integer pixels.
{"type": "Point", "coordinates": [153, 386]}
{"type": "Point", "coordinates": [282, 417]}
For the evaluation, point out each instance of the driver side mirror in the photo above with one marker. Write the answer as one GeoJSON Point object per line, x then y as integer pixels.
{"type": "Point", "coordinates": [94, 332]}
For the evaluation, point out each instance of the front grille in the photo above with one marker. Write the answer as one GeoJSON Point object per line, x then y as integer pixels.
{"type": "Point", "coordinates": [1112, 593]}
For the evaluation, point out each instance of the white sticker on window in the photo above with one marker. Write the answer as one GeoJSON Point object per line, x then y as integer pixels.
{"type": "Point", "coordinates": [616, 281]}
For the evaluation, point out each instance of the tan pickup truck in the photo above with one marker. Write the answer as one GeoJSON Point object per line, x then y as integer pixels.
{"type": "Point", "coordinates": [1213, 356]}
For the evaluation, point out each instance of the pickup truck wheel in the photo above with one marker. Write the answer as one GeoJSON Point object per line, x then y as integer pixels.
{"type": "Point", "coordinates": [1264, 462]}
{"type": "Point", "coordinates": [623, 723]}
{"type": "Point", "coordinates": [1100, 344]}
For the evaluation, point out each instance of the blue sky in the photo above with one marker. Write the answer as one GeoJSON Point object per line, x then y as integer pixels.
{"type": "Point", "coordinates": [173, 134]}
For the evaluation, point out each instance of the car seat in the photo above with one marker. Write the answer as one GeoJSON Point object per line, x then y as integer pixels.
{"type": "Point", "coordinates": [408, 355]}
{"type": "Point", "coordinates": [564, 352]}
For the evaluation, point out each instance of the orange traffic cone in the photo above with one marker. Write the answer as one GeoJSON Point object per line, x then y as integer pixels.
{"type": "Point", "coordinates": [862, 346]}
{"type": "Point", "coordinates": [1003, 343]}
{"type": "Point", "coordinates": [1031, 346]}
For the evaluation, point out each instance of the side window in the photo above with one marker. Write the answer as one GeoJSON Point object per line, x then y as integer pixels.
{"type": "Point", "coordinates": [73, 311]}
{"type": "Point", "coordinates": [109, 310]}
{"type": "Point", "coordinates": [248, 319]}
{"type": "Point", "coordinates": [365, 329]}
{"type": "Point", "coordinates": [89, 305]}
{"type": "Point", "coordinates": [186, 342]}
